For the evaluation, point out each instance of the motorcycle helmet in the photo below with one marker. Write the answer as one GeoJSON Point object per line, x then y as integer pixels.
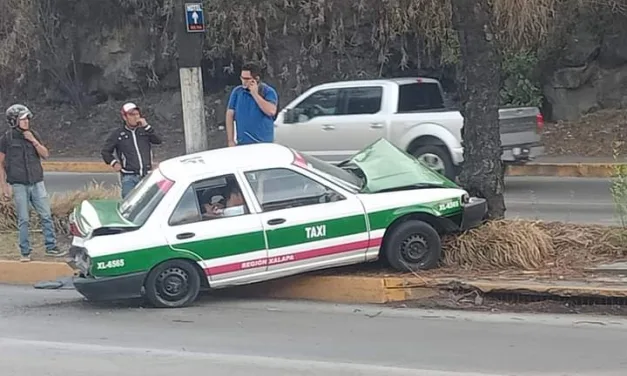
{"type": "Point", "coordinates": [17, 112]}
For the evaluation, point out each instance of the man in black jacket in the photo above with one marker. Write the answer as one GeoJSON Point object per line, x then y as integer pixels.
{"type": "Point", "coordinates": [22, 177]}
{"type": "Point", "coordinates": [132, 145]}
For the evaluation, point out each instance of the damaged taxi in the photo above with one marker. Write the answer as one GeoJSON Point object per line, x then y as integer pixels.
{"type": "Point", "coordinates": [252, 213]}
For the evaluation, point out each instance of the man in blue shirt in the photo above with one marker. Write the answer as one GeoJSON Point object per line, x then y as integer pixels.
{"type": "Point", "coordinates": [253, 107]}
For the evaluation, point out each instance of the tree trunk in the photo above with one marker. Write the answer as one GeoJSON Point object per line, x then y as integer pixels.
{"type": "Point", "coordinates": [479, 85]}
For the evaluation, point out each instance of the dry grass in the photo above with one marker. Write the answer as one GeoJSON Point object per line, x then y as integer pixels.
{"type": "Point", "coordinates": [500, 244]}
{"type": "Point", "coordinates": [61, 206]}
{"type": "Point", "coordinates": [534, 245]}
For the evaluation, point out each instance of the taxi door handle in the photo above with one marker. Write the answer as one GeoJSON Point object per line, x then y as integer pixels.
{"type": "Point", "coordinates": [328, 127]}
{"type": "Point", "coordinates": [276, 221]}
{"type": "Point", "coordinates": [185, 235]}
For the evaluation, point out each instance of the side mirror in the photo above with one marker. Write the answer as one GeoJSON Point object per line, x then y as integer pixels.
{"type": "Point", "coordinates": [290, 116]}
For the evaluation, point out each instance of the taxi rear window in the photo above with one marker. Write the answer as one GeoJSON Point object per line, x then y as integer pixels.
{"type": "Point", "coordinates": [144, 198]}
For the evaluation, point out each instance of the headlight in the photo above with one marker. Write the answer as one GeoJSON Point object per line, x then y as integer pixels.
{"type": "Point", "coordinates": [465, 198]}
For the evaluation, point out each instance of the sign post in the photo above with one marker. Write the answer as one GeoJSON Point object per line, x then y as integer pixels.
{"type": "Point", "coordinates": [191, 35]}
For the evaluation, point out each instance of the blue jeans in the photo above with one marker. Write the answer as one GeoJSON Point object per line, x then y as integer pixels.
{"type": "Point", "coordinates": [128, 182]}
{"type": "Point", "coordinates": [35, 194]}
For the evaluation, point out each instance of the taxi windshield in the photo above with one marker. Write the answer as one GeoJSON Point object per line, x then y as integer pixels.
{"type": "Point", "coordinates": [144, 198]}
{"type": "Point", "coordinates": [337, 174]}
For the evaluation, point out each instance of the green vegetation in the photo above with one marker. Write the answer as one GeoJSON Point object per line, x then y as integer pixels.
{"type": "Point", "coordinates": [618, 188]}
{"type": "Point", "coordinates": [520, 84]}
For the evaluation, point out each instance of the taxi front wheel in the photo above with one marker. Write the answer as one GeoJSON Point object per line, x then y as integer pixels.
{"type": "Point", "coordinates": [412, 246]}
{"type": "Point", "coordinates": [172, 284]}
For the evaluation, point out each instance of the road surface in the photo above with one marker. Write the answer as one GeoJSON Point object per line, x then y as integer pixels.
{"type": "Point", "coordinates": [577, 200]}
{"type": "Point", "coordinates": [56, 333]}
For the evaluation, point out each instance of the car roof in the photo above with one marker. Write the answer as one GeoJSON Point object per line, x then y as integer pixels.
{"type": "Point", "coordinates": [374, 82]}
{"type": "Point", "coordinates": [226, 160]}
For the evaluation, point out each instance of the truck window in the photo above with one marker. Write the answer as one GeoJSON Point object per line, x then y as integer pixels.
{"type": "Point", "coordinates": [419, 96]}
{"type": "Point", "coordinates": [363, 100]}
{"type": "Point", "coordinates": [320, 103]}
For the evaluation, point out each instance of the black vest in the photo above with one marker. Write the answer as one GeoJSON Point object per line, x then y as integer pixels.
{"type": "Point", "coordinates": [22, 162]}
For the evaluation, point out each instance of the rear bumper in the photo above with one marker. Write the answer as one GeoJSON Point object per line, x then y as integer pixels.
{"type": "Point", "coordinates": [522, 153]}
{"type": "Point", "coordinates": [127, 286]}
{"type": "Point", "coordinates": [512, 154]}
{"type": "Point", "coordinates": [473, 213]}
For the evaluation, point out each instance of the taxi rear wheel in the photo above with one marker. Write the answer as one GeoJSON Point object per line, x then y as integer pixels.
{"type": "Point", "coordinates": [172, 284]}
{"type": "Point", "coordinates": [412, 246]}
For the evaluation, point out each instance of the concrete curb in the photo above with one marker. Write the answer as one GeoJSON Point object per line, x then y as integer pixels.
{"type": "Point", "coordinates": [578, 170]}
{"type": "Point", "coordinates": [350, 288]}
{"type": "Point", "coordinates": [591, 170]}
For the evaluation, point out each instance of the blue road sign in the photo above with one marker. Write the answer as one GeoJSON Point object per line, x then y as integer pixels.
{"type": "Point", "coordinates": [194, 18]}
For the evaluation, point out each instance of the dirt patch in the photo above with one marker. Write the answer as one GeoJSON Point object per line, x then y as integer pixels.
{"type": "Point", "coordinates": [70, 135]}
{"type": "Point", "coordinates": [9, 249]}
{"type": "Point", "coordinates": [608, 129]}
{"type": "Point", "coordinates": [516, 304]}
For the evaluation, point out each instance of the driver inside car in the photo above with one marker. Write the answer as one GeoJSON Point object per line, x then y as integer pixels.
{"type": "Point", "coordinates": [233, 206]}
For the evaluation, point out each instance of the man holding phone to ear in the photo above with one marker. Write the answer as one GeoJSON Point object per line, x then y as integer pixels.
{"type": "Point", "coordinates": [253, 108]}
{"type": "Point", "coordinates": [128, 148]}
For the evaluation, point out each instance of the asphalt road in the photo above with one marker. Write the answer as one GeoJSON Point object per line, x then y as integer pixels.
{"type": "Point", "coordinates": [56, 333]}
{"type": "Point", "coordinates": [577, 200]}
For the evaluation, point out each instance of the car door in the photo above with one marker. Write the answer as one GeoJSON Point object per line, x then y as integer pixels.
{"type": "Point", "coordinates": [318, 116]}
{"type": "Point", "coordinates": [308, 224]}
{"type": "Point", "coordinates": [334, 124]}
{"type": "Point", "coordinates": [364, 121]}
{"type": "Point", "coordinates": [233, 248]}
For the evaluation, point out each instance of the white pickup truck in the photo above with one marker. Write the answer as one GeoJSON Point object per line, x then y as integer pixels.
{"type": "Point", "coordinates": [333, 121]}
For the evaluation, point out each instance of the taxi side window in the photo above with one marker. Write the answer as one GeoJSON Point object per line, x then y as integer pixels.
{"type": "Point", "coordinates": [215, 198]}
{"type": "Point", "coordinates": [281, 188]}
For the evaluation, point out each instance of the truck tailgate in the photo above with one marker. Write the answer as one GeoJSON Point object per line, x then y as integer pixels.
{"type": "Point", "coordinates": [519, 125]}
{"type": "Point", "coordinates": [521, 132]}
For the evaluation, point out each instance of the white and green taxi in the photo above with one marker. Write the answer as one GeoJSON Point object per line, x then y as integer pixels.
{"type": "Point", "coordinates": [247, 214]}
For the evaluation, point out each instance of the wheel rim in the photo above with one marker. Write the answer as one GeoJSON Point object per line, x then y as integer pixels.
{"type": "Point", "coordinates": [433, 161]}
{"type": "Point", "coordinates": [172, 284]}
{"type": "Point", "coordinates": [415, 249]}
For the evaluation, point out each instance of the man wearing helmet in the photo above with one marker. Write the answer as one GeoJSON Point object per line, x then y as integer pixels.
{"type": "Point", "coordinates": [128, 149]}
{"type": "Point", "coordinates": [22, 177]}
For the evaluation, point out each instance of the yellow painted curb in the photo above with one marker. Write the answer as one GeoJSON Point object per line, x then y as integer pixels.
{"type": "Point", "coordinates": [16, 272]}
{"type": "Point", "coordinates": [347, 288]}
{"type": "Point", "coordinates": [587, 170]}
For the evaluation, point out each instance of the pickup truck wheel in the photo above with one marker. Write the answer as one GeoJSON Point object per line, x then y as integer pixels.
{"type": "Point", "coordinates": [437, 158]}
{"type": "Point", "coordinates": [412, 246]}
{"type": "Point", "coordinates": [172, 284]}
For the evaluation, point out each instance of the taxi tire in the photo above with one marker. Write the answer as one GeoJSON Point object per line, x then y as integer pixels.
{"type": "Point", "coordinates": [194, 283]}
{"type": "Point", "coordinates": [392, 247]}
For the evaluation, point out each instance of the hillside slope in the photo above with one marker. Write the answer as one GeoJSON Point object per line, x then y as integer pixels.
{"type": "Point", "coordinates": [75, 62]}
